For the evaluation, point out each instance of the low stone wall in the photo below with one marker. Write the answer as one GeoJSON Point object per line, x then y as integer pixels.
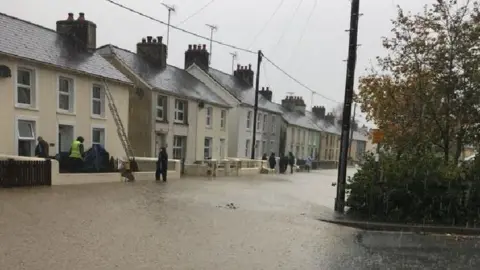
{"type": "Point", "coordinates": [225, 167]}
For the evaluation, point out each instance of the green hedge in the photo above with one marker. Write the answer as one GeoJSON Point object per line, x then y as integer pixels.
{"type": "Point", "coordinates": [416, 190]}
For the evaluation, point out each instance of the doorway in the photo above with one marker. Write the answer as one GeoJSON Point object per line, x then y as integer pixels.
{"type": "Point", "coordinates": [65, 137]}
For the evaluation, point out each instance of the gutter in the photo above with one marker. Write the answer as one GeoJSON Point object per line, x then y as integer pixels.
{"type": "Point", "coordinates": [68, 69]}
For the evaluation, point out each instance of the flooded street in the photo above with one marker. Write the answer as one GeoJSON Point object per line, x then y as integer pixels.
{"type": "Point", "coordinates": [227, 223]}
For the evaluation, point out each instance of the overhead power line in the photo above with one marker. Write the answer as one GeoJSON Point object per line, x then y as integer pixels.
{"type": "Point", "coordinates": [223, 44]}
{"type": "Point", "coordinates": [196, 12]}
{"type": "Point", "coordinates": [304, 30]}
{"type": "Point", "coordinates": [266, 23]}
{"type": "Point", "coordinates": [288, 24]}
{"type": "Point", "coordinates": [180, 29]}
{"type": "Point", "coordinates": [297, 81]}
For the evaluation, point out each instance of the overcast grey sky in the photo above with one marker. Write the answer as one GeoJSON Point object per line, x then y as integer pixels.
{"type": "Point", "coordinates": [316, 61]}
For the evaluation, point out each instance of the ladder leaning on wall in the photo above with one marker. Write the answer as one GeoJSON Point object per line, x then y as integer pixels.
{"type": "Point", "coordinates": [122, 135]}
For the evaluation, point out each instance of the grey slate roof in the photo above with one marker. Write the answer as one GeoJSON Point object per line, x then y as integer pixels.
{"type": "Point", "coordinates": [246, 94]}
{"type": "Point", "coordinates": [26, 40]}
{"type": "Point", "coordinates": [242, 91]}
{"type": "Point", "coordinates": [170, 79]}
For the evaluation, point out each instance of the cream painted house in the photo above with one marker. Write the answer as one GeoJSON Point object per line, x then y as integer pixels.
{"type": "Point", "coordinates": [238, 90]}
{"type": "Point", "coordinates": [53, 86]}
{"type": "Point", "coordinates": [171, 107]}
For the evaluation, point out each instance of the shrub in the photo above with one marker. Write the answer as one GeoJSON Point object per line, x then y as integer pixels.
{"type": "Point", "coordinates": [417, 189]}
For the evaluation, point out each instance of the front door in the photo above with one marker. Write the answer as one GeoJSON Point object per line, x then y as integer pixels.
{"type": "Point", "coordinates": [65, 137]}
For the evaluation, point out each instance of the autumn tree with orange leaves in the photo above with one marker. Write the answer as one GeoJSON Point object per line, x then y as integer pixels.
{"type": "Point", "coordinates": [425, 93]}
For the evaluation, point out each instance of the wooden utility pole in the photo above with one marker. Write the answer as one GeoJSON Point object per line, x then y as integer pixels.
{"type": "Point", "coordinates": [351, 131]}
{"type": "Point", "coordinates": [255, 107]}
{"type": "Point", "coordinates": [213, 28]}
{"type": "Point", "coordinates": [347, 106]}
{"type": "Point", "coordinates": [170, 10]}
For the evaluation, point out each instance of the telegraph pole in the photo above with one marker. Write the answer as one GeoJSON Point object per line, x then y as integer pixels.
{"type": "Point", "coordinates": [170, 10]}
{"type": "Point", "coordinates": [351, 131]}
{"type": "Point", "coordinates": [234, 56]}
{"type": "Point", "coordinates": [255, 108]}
{"type": "Point", "coordinates": [347, 106]}
{"type": "Point", "coordinates": [213, 28]}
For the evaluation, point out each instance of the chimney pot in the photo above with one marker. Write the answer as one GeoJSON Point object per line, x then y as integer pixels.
{"type": "Point", "coordinates": [70, 17]}
{"type": "Point", "coordinates": [154, 40]}
{"type": "Point", "coordinates": [159, 39]}
{"type": "Point", "coordinates": [249, 66]}
{"type": "Point", "coordinates": [263, 88]}
{"type": "Point", "coordinates": [268, 88]}
{"type": "Point", "coordinates": [81, 16]}
{"type": "Point", "coordinates": [189, 47]}
{"type": "Point", "coordinates": [238, 66]}
{"type": "Point", "coordinates": [149, 39]}
{"type": "Point", "coordinates": [199, 47]}
{"type": "Point", "coordinates": [144, 40]}
{"type": "Point", "coordinates": [204, 47]}
{"type": "Point", "coordinates": [194, 47]}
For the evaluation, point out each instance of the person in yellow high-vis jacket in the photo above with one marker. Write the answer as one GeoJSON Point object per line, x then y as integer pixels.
{"type": "Point", "coordinates": [76, 155]}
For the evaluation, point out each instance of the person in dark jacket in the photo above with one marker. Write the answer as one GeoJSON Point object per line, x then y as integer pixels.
{"type": "Point", "coordinates": [272, 161]}
{"type": "Point", "coordinates": [264, 157]}
{"type": "Point", "coordinates": [162, 165]}
{"type": "Point", "coordinates": [42, 148]}
{"type": "Point", "coordinates": [291, 161]}
{"type": "Point", "coordinates": [282, 164]}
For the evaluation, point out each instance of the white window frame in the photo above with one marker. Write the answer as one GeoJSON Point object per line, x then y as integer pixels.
{"type": "Point", "coordinates": [249, 119]}
{"type": "Point", "coordinates": [92, 128]}
{"type": "Point", "coordinates": [264, 147]}
{"type": "Point", "coordinates": [160, 107]}
{"type": "Point", "coordinates": [34, 96]}
{"type": "Point", "coordinates": [178, 111]}
{"type": "Point", "coordinates": [64, 123]}
{"type": "Point", "coordinates": [274, 127]}
{"type": "Point", "coordinates": [259, 122]}
{"type": "Point", "coordinates": [181, 147]}
{"type": "Point", "coordinates": [210, 147]}
{"type": "Point", "coordinates": [248, 147]}
{"type": "Point", "coordinates": [272, 144]}
{"type": "Point", "coordinates": [102, 101]}
{"type": "Point", "coordinates": [16, 138]}
{"type": "Point", "coordinates": [223, 119]}
{"type": "Point", "coordinates": [209, 117]}
{"type": "Point", "coordinates": [265, 122]}
{"type": "Point", "coordinates": [72, 95]}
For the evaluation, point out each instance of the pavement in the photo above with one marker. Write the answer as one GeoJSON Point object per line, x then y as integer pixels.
{"type": "Point", "coordinates": [266, 222]}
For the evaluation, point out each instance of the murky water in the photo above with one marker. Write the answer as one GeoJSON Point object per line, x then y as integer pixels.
{"type": "Point", "coordinates": [186, 224]}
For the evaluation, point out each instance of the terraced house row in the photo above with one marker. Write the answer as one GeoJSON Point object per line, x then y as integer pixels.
{"type": "Point", "coordinates": [53, 83]}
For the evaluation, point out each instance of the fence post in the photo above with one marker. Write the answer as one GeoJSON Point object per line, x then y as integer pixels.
{"type": "Point", "coordinates": [10, 173]}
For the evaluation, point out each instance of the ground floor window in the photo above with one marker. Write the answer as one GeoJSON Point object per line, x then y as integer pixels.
{"type": "Point", "coordinates": [247, 148]}
{"type": "Point", "coordinates": [257, 151]}
{"type": "Point", "coordinates": [207, 150]}
{"type": "Point", "coordinates": [98, 136]}
{"type": "Point", "coordinates": [26, 137]}
{"type": "Point", "coordinates": [179, 143]}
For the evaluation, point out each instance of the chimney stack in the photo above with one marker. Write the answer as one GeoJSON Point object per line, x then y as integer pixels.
{"type": "Point", "coordinates": [319, 112]}
{"type": "Point", "coordinates": [153, 51]}
{"type": "Point", "coordinates": [294, 103]}
{"type": "Point", "coordinates": [82, 33]}
{"type": "Point", "coordinates": [266, 93]}
{"type": "Point", "coordinates": [197, 54]}
{"type": "Point", "coordinates": [244, 74]}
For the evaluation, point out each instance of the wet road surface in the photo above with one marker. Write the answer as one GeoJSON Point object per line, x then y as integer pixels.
{"type": "Point", "coordinates": [228, 223]}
